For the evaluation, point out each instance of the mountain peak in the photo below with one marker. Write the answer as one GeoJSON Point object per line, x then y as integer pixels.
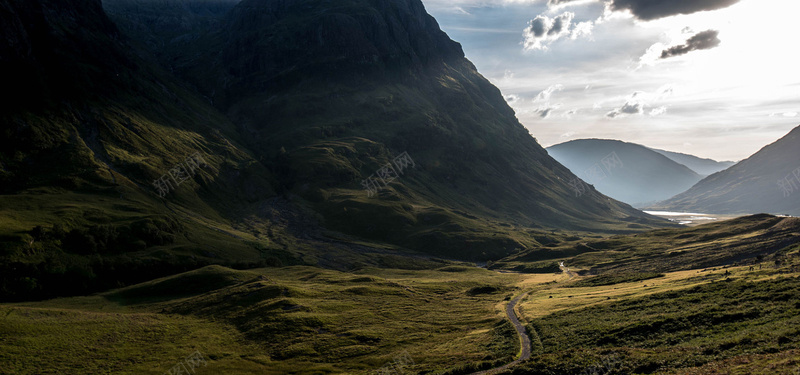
{"type": "Point", "coordinates": [275, 38]}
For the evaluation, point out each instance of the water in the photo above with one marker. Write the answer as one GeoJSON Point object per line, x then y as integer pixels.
{"type": "Point", "coordinates": [684, 218]}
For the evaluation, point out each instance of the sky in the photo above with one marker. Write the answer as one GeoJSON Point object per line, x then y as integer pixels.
{"type": "Point", "coordinates": [714, 78]}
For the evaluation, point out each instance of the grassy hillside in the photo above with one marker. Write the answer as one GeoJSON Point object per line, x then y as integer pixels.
{"type": "Point", "coordinates": [329, 114]}
{"type": "Point", "coordinates": [101, 116]}
{"type": "Point", "coordinates": [78, 158]}
{"type": "Point", "coordinates": [722, 320]}
{"type": "Point", "coordinates": [288, 320]}
{"type": "Point", "coordinates": [745, 240]}
{"type": "Point", "coordinates": [732, 321]}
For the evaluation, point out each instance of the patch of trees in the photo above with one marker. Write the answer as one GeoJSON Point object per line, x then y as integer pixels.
{"type": "Point", "coordinates": [110, 239]}
{"type": "Point", "coordinates": [68, 275]}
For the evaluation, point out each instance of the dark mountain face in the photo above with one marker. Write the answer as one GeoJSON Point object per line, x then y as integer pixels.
{"type": "Point", "coordinates": [626, 171]}
{"type": "Point", "coordinates": [310, 98]}
{"type": "Point", "coordinates": [54, 50]}
{"type": "Point", "coordinates": [329, 92]}
{"type": "Point", "coordinates": [166, 26]}
{"type": "Point", "coordinates": [88, 128]}
{"type": "Point", "coordinates": [767, 182]}
{"type": "Point", "coordinates": [273, 45]}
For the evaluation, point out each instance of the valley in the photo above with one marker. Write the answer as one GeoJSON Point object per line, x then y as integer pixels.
{"type": "Point", "coordinates": [449, 320]}
{"type": "Point", "coordinates": [338, 187]}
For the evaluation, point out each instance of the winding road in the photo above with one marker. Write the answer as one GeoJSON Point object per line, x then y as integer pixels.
{"type": "Point", "coordinates": [525, 341]}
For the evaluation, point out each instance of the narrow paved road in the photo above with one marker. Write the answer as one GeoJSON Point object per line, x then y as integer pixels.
{"type": "Point", "coordinates": [525, 341]}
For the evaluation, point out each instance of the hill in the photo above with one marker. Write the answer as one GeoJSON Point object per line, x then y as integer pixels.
{"type": "Point", "coordinates": [633, 305]}
{"type": "Point", "coordinates": [768, 181]}
{"type": "Point", "coordinates": [702, 166]}
{"type": "Point", "coordinates": [195, 137]}
{"type": "Point", "coordinates": [626, 171]}
{"type": "Point", "coordinates": [326, 113]}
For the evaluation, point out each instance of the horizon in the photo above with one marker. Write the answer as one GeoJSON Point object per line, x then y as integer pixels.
{"type": "Point", "coordinates": [660, 78]}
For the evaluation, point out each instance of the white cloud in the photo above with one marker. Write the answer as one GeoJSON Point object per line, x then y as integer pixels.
{"type": "Point", "coordinates": [546, 94]}
{"type": "Point", "coordinates": [512, 99]}
{"type": "Point", "coordinates": [543, 30]}
{"type": "Point", "coordinates": [634, 105]}
{"type": "Point", "coordinates": [706, 104]}
{"type": "Point", "coordinates": [570, 113]}
{"type": "Point", "coordinates": [658, 111]}
{"type": "Point", "coordinates": [582, 29]}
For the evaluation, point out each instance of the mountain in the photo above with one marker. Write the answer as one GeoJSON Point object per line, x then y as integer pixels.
{"type": "Point", "coordinates": [703, 167]}
{"type": "Point", "coordinates": [265, 118]}
{"type": "Point", "coordinates": [328, 93]}
{"type": "Point", "coordinates": [768, 181]}
{"type": "Point", "coordinates": [626, 171]}
{"type": "Point", "coordinates": [91, 126]}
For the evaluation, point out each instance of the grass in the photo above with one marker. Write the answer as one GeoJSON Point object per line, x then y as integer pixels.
{"type": "Point", "coordinates": [745, 240]}
{"type": "Point", "coordinates": [450, 320]}
{"type": "Point", "coordinates": [270, 321]}
{"type": "Point", "coordinates": [730, 320]}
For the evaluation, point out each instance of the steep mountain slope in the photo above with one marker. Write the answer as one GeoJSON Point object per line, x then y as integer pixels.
{"type": "Point", "coordinates": [167, 26]}
{"type": "Point", "coordinates": [701, 166]}
{"type": "Point", "coordinates": [768, 181]}
{"type": "Point", "coordinates": [331, 92]}
{"type": "Point", "coordinates": [626, 171]}
{"type": "Point", "coordinates": [321, 94]}
{"type": "Point", "coordinates": [90, 127]}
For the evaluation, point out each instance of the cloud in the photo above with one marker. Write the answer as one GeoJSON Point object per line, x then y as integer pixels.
{"type": "Point", "coordinates": [703, 40]}
{"type": "Point", "coordinates": [512, 99]}
{"type": "Point", "coordinates": [543, 97]}
{"type": "Point", "coordinates": [547, 93]}
{"type": "Point", "coordinates": [543, 30]}
{"type": "Point", "coordinates": [647, 10]}
{"type": "Point", "coordinates": [570, 113]}
{"type": "Point", "coordinates": [544, 112]}
{"type": "Point", "coordinates": [634, 105]}
{"type": "Point", "coordinates": [658, 111]}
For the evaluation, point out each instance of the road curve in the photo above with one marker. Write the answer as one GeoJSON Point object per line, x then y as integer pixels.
{"type": "Point", "coordinates": [525, 341]}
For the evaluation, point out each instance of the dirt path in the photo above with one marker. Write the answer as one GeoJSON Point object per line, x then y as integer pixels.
{"type": "Point", "coordinates": [525, 341]}
{"type": "Point", "coordinates": [566, 270]}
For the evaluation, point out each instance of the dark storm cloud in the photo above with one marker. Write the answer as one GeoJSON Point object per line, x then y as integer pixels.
{"type": "Point", "coordinates": [653, 9]}
{"type": "Point", "coordinates": [704, 40]}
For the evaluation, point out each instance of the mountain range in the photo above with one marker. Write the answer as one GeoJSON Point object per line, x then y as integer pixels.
{"type": "Point", "coordinates": [292, 108]}
{"type": "Point", "coordinates": [625, 171]}
{"type": "Point", "coordinates": [701, 166]}
{"type": "Point", "coordinates": [766, 182]}
{"type": "Point", "coordinates": [329, 187]}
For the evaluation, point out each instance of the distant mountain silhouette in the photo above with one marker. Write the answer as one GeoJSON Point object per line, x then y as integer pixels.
{"type": "Point", "coordinates": [625, 171]}
{"type": "Point", "coordinates": [767, 182]}
{"type": "Point", "coordinates": [703, 167]}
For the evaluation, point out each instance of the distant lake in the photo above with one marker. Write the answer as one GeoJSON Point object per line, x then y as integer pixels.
{"type": "Point", "coordinates": [685, 218]}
